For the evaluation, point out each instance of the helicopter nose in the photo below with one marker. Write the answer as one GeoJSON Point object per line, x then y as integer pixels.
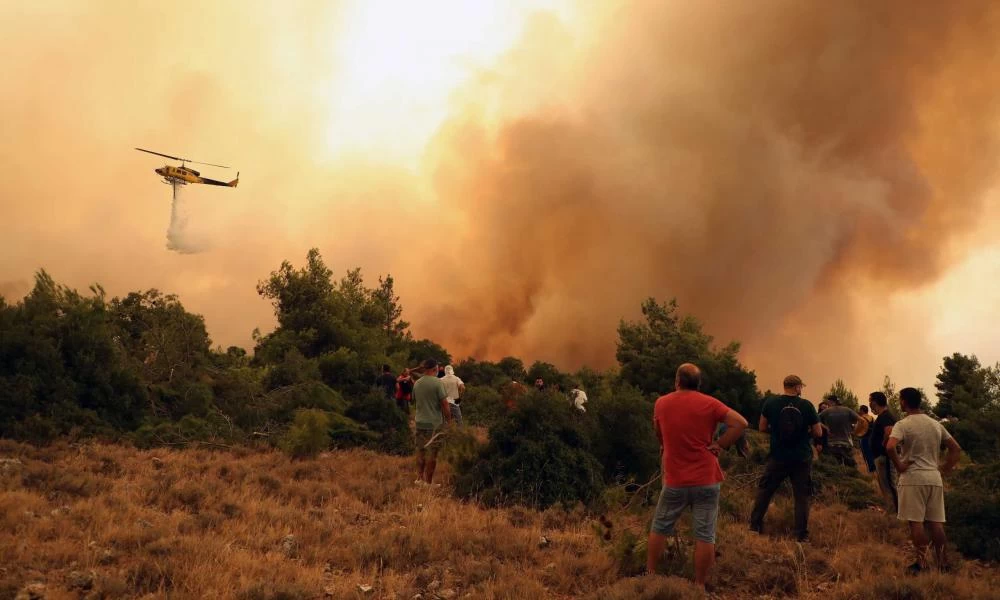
{"type": "Point", "coordinates": [158, 171]}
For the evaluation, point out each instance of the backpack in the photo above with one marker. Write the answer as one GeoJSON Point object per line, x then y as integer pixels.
{"type": "Point", "coordinates": [791, 425]}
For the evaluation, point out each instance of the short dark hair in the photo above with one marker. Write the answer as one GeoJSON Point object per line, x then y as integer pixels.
{"type": "Point", "coordinates": [386, 368]}
{"type": "Point", "coordinates": [878, 398]}
{"type": "Point", "coordinates": [688, 377]}
{"type": "Point", "coordinates": [832, 398]}
{"type": "Point", "coordinates": [863, 409]}
{"type": "Point", "coordinates": [429, 364]}
{"type": "Point", "coordinates": [910, 397]}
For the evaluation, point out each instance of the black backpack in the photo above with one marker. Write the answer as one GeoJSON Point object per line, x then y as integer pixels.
{"type": "Point", "coordinates": [791, 424]}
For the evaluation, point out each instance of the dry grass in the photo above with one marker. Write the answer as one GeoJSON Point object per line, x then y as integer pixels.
{"type": "Point", "coordinates": [97, 521]}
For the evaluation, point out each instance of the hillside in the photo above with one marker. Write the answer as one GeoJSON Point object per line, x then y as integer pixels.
{"type": "Point", "coordinates": [106, 521]}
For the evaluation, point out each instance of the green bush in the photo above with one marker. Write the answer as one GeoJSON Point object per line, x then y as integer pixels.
{"type": "Point", "coordinates": [833, 481]}
{"type": "Point", "coordinates": [624, 439]}
{"type": "Point", "coordinates": [482, 406]}
{"type": "Point", "coordinates": [978, 434]}
{"type": "Point", "coordinates": [382, 417]}
{"type": "Point", "coordinates": [309, 434]}
{"type": "Point", "coordinates": [537, 456]}
{"type": "Point", "coordinates": [973, 504]}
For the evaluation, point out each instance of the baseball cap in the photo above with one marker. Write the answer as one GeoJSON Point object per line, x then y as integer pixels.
{"type": "Point", "coordinates": [792, 381]}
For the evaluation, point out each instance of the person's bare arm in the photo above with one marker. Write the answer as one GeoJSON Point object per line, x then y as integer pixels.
{"type": "Point", "coordinates": [954, 453]}
{"type": "Point", "coordinates": [762, 424]}
{"type": "Point", "coordinates": [735, 424]}
{"type": "Point", "coordinates": [461, 389]}
{"type": "Point", "coordinates": [886, 432]}
{"type": "Point", "coordinates": [446, 409]}
{"type": "Point", "coordinates": [816, 430]}
{"type": "Point", "coordinates": [890, 448]}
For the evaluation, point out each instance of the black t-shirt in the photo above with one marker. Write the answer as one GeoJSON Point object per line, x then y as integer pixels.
{"type": "Point", "coordinates": [878, 434]}
{"type": "Point", "coordinates": [387, 382]}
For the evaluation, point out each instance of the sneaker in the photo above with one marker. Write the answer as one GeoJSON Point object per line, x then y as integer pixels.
{"type": "Point", "coordinates": [756, 529]}
{"type": "Point", "coordinates": [914, 569]}
{"type": "Point", "coordinates": [420, 482]}
{"type": "Point", "coordinates": [803, 539]}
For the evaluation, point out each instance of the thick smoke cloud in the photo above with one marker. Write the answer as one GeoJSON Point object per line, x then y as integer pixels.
{"type": "Point", "coordinates": [785, 169]}
{"type": "Point", "coordinates": [777, 166]}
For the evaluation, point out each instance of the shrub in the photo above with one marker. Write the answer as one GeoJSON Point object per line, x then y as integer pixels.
{"type": "Point", "coordinates": [538, 455]}
{"type": "Point", "coordinates": [382, 417]}
{"type": "Point", "coordinates": [624, 440]}
{"type": "Point", "coordinates": [973, 503]}
{"type": "Point", "coordinates": [482, 406]}
{"type": "Point", "coordinates": [308, 435]}
{"type": "Point", "coordinates": [835, 482]}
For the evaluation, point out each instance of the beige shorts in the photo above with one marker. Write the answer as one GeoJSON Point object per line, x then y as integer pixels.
{"type": "Point", "coordinates": [921, 503]}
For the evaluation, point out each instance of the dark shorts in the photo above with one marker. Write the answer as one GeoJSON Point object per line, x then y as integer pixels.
{"type": "Point", "coordinates": [704, 503]}
{"type": "Point", "coordinates": [426, 440]}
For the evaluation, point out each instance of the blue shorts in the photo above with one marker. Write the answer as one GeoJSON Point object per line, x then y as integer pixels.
{"type": "Point", "coordinates": [704, 503]}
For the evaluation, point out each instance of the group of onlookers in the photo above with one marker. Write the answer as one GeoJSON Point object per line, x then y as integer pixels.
{"type": "Point", "coordinates": [903, 454]}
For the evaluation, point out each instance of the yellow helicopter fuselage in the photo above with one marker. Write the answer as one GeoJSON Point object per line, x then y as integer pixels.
{"type": "Point", "coordinates": [185, 175]}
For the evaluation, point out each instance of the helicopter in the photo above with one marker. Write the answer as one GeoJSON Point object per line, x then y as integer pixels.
{"type": "Point", "coordinates": [184, 175]}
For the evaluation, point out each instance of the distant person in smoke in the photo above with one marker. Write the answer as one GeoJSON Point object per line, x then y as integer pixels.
{"type": "Point", "coordinates": [512, 392]}
{"type": "Point", "coordinates": [921, 488]}
{"type": "Point", "coordinates": [885, 472]}
{"type": "Point", "coordinates": [685, 421]}
{"type": "Point", "coordinates": [455, 387]}
{"type": "Point", "coordinates": [838, 422]}
{"type": "Point", "coordinates": [540, 385]}
{"type": "Point", "coordinates": [432, 413]}
{"type": "Point", "coordinates": [404, 391]}
{"type": "Point", "coordinates": [387, 382]}
{"type": "Point", "coordinates": [791, 421]}
{"type": "Point", "coordinates": [579, 398]}
{"type": "Point", "coordinates": [863, 431]}
{"type": "Point", "coordinates": [823, 443]}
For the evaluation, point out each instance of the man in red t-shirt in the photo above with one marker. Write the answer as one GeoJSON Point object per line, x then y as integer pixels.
{"type": "Point", "coordinates": [685, 421]}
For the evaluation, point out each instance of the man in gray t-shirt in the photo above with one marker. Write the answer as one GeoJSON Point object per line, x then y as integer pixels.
{"type": "Point", "coordinates": [839, 421]}
{"type": "Point", "coordinates": [921, 489]}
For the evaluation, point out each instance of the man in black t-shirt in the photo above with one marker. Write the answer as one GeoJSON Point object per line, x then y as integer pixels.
{"type": "Point", "coordinates": [387, 382]}
{"type": "Point", "coordinates": [885, 474]}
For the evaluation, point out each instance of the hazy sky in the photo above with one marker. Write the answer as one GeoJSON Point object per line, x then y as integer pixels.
{"type": "Point", "coordinates": [816, 180]}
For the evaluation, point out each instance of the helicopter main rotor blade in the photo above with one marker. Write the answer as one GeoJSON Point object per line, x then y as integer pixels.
{"type": "Point", "coordinates": [185, 160]}
{"type": "Point", "coordinates": [161, 154]}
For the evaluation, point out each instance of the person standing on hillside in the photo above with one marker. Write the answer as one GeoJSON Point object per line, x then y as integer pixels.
{"type": "Point", "coordinates": [921, 489]}
{"type": "Point", "coordinates": [685, 421]}
{"type": "Point", "coordinates": [885, 472]}
{"type": "Point", "coordinates": [404, 391]}
{"type": "Point", "coordinates": [387, 382]}
{"type": "Point", "coordinates": [455, 387]}
{"type": "Point", "coordinates": [432, 412]}
{"type": "Point", "coordinates": [863, 431]}
{"type": "Point", "coordinates": [792, 421]}
{"type": "Point", "coordinates": [579, 398]}
{"type": "Point", "coordinates": [823, 443]}
{"type": "Point", "coordinates": [839, 422]}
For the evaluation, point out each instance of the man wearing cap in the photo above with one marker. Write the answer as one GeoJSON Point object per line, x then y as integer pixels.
{"type": "Point", "coordinates": [432, 412]}
{"type": "Point", "coordinates": [791, 421]}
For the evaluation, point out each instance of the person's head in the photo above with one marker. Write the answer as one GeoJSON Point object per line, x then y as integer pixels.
{"type": "Point", "coordinates": [449, 370]}
{"type": "Point", "coordinates": [539, 383]}
{"type": "Point", "coordinates": [405, 373]}
{"type": "Point", "coordinates": [910, 399]}
{"type": "Point", "coordinates": [386, 369]}
{"type": "Point", "coordinates": [863, 409]}
{"type": "Point", "coordinates": [429, 366]}
{"type": "Point", "coordinates": [832, 400]}
{"type": "Point", "coordinates": [688, 377]}
{"type": "Point", "coordinates": [793, 385]}
{"type": "Point", "coordinates": [878, 402]}
{"type": "Point", "coordinates": [823, 406]}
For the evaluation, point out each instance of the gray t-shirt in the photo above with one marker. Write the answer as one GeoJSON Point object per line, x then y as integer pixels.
{"type": "Point", "coordinates": [921, 438]}
{"type": "Point", "coordinates": [840, 421]}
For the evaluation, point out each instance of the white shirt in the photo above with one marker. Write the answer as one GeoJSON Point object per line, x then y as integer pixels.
{"type": "Point", "coordinates": [451, 383]}
{"type": "Point", "coordinates": [579, 399]}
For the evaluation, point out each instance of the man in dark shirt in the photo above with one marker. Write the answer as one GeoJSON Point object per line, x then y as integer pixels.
{"type": "Point", "coordinates": [839, 422]}
{"type": "Point", "coordinates": [387, 382]}
{"type": "Point", "coordinates": [885, 473]}
{"type": "Point", "coordinates": [792, 422]}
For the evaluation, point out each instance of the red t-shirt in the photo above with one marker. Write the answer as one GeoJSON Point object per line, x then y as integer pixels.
{"type": "Point", "coordinates": [687, 422]}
